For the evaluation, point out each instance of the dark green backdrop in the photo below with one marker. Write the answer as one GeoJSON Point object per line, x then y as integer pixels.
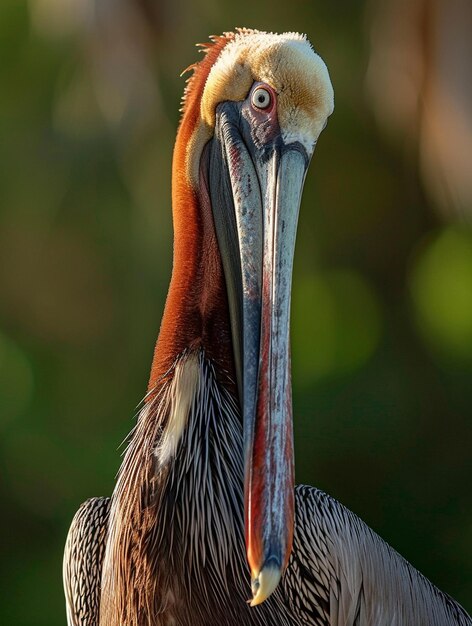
{"type": "Point", "coordinates": [382, 304]}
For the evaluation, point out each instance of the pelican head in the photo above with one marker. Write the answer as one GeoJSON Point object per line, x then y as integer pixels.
{"type": "Point", "coordinates": [264, 100]}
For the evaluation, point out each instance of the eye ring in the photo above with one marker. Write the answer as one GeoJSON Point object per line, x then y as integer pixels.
{"type": "Point", "coordinates": [261, 98]}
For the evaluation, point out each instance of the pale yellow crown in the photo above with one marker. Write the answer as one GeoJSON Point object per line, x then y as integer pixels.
{"type": "Point", "coordinates": [287, 63]}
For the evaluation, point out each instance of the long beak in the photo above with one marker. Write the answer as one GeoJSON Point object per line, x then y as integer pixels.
{"type": "Point", "coordinates": [255, 196]}
{"type": "Point", "coordinates": [268, 434]}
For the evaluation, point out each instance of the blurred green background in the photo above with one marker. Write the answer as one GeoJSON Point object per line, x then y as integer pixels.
{"type": "Point", "coordinates": [382, 296]}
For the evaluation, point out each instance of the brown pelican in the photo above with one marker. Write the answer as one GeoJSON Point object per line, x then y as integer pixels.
{"type": "Point", "coordinates": [204, 515]}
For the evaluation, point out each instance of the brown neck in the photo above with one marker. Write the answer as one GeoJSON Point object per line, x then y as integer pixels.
{"type": "Point", "coordinates": [196, 311]}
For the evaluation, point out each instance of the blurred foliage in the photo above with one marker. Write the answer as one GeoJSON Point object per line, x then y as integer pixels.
{"type": "Point", "coordinates": [441, 285]}
{"type": "Point", "coordinates": [345, 324]}
{"type": "Point", "coordinates": [382, 309]}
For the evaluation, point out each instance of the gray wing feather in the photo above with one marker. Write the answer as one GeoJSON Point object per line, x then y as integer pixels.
{"type": "Point", "coordinates": [341, 573]}
{"type": "Point", "coordinates": [83, 558]}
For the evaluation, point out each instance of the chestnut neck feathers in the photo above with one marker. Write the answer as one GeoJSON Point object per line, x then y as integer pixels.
{"type": "Point", "coordinates": [196, 311]}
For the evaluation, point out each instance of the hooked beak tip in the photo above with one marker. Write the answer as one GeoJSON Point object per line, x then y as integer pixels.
{"type": "Point", "coordinates": [264, 582]}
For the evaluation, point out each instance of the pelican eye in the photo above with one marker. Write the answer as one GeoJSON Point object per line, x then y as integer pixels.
{"type": "Point", "coordinates": [261, 98]}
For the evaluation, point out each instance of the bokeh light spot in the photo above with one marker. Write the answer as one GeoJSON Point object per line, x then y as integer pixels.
{"type": "Point", "coordinates": [441, 287]}
{"type": "Point", "coordinates": [336, 324]}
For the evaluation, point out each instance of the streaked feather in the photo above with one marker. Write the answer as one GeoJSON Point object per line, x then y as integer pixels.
{"type": "Point", "coordinates": [187, 528]}
{"type": "Point", "coordinates": [83, 559]}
